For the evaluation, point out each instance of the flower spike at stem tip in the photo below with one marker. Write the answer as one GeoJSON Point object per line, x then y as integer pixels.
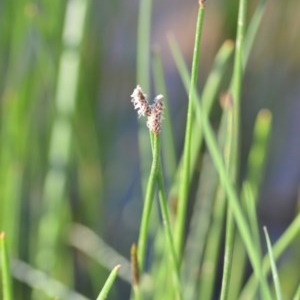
{"type": "Point", "coordinates": [140, 102]}
{"type": "Point", "coordinates": [153, 112]}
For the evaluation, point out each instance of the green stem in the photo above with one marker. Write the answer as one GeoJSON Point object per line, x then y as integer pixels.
{"type": "Point", "coordinates": [168, 234]}
{"type": "Point", "coordinates": [273, 265]}
{"type": "Point", "coordinates": [108, 284]}
{"type": "Point", "coordinates": [184, 187]}
{"type": "Point", "coordinates": [279, 247]}
{"type": "Point", "coordinates": [142, 244]}
{"type": "Point", "coordinates": [5, 269]}
{"type": "Point", "coordinates": [234, 156]}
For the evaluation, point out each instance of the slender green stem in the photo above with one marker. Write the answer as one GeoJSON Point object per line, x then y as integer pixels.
{"type": "Point", "coordinates": [61, 135]}
{"type": "Point", "coordinates": [228, 255]}
{"type": "Point", "coordinates": [208, 97]}
{"type": "Point", "coordinates": [232, 197]}
{"type": "Point", "coordinates": [109, 283]}
{"type": "Point", "coordinates": [234, 156]}
{"type": "Point", "coordinates": [168, 234]}
{"type": "Point", "coordinates": [230, 231]}
{"type": "Point", "coordinates": [213, 242]}
{"type": "Point", "coordinates": [42, 282]}
{"type": "Point", "coordinates": [273, 265]}
{"type": "Point", "coordinates": [252, 30]}
{"type": "Point", "coordinates": [184, 185]}
{"type": "Point", "coordinates": [5, 268]}
{"type": "Point", "coordinates": [259, 148]}
{"type": "Point", "coordinates": [250, 204]}
{"type": "Point", "coordinates": [143, 236]}
{"type": "Point", "coordinates": [278, 248]}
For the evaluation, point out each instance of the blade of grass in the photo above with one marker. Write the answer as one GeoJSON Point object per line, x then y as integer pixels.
{"type": "Point", "coordinates": [234, 157]}
{"type": "Point", "coordinates": [258, 151]}
{"type": "Point", "coordinates": [199, 226]}
{"type": "Point", "coordinates": [144, 228]}
{"type": "Point", "coordinates": [5, 269]}
{"type": "Point", "coordinates": [109, 283]}
{"type": "Point", "coordinates": [95, 248]}
{"type": "Point", "coordinates": [229, 231]}
{"type": "Point", "coordinates": [291, 233]}
{"type": "Point", "coordinates": [185, 182]}
{"type": "Point", "coordinates": [235, 90]}
{"type": "Point", "coordinates": [250, 204]}
{"type": "Point", "coordinates": [209, 95]}
{"type": "Point", "coordinates": [14, 128]}
{"type": "Point", "coordinates": [232, 197]}
{"type": "Point", "coordinates": [253, 30]}
{"type": "Point", "coordinates": [61, 135]}
{"type": "Point", "coordinates": [39, 280]}
{"type": "Point", "coordinates": [169, 236]}
{"type": "Point", "coordinates": [273, 265]}
{"type": "Point", "coordinates": [210, 261]}
{"type": "Point", "coordinates": [255, 168]}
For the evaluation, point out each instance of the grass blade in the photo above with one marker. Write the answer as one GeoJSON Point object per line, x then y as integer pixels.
{"type": "Point", "coordinates": [5, 269]}
{"type": "Point", "coordinates": [273, 266]}
{"type": "Point", "coordinates": [291, 233]}
{"type": "Point", "coordinates": [40, 281]}
{"type": "Point", "coordinates": [109, 283]}
{"type": "Point", "coordinates": [96, 248]}
{"type": "Point", "coordinates": [252, 30]}
{"type": "Point", "coordinates": [210, 261]}
{"type": "Point", "coordinates": [144, 228]}
{"type": "Point", "coordinates": [61, 134]}
{"type": "Point", "coordinates": [209, 95]}
{"type": "Point", "coordinates": [184, 185]}
{"type": "Point", "coordinates": [259, 148]}
{"type": "Point", "coordinates": [169, 237]}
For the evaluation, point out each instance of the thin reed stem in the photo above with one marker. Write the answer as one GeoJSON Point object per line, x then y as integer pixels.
{"type": "Point", "coordinates": [6, 287]}
{"type": "Point", "coordinates": [169, 236]}
{"type": "Point", "coordinates": [184, 185]}
{"type": "Point", "coordinates": [109, 283]}
{"type": "Point", "coordinates": [144, 228]}
{"type": "Point", "coordinates": [234, 155]}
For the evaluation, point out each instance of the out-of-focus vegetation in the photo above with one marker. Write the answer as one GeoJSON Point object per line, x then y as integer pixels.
{"type": "Point", "coordinates": [71, 189]}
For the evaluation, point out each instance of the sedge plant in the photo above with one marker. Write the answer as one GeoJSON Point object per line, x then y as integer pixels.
{"type": "Point", "coordinates": [199, 224]}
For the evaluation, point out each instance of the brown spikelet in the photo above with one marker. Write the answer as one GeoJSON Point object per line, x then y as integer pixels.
{"type": "Point", "coordinates": [153, 112]}
{"type": "Point", "coordinates": [140, 102]}
{"type": "Point", "coordinates": [155, 119]}
{"type": "Point", "coordinates": [134, 265]}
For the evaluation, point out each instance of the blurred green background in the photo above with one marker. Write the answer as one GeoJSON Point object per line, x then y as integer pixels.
{"type": "Point", "coordinates": [68, 133]}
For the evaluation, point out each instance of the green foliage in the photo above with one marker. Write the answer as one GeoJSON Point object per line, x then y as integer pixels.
{"type": "Point", "coordinates": [52, 175]}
